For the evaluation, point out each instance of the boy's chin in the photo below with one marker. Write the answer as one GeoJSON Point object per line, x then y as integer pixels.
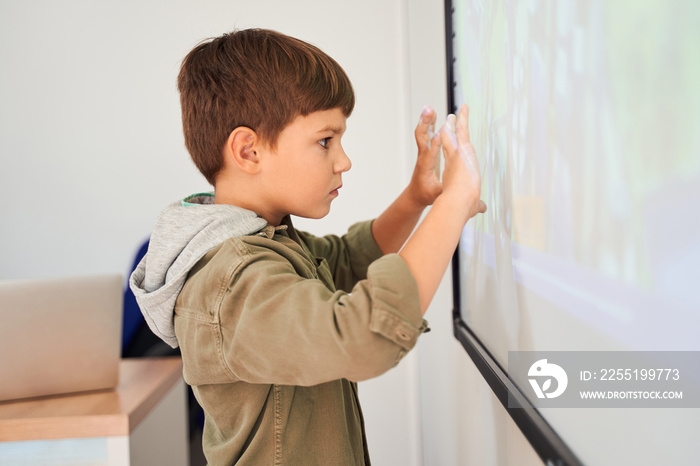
{"type": "Point", "coordinates": [315, 215]}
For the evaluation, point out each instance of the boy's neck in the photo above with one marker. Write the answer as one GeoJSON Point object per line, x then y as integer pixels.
{"type": "Point", "coordinates": [230, 199]}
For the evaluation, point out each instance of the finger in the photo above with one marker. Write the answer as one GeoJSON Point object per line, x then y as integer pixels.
{"type": "Point", "coordinates": [433, 159]}
{"type": "Point", "coordinates": [463, 121]}
{"type": "Point", "coordinates": [429, 156]}
{"type": "Point", "coordinates": [468, 156]}
{"type": "Point", "coordinates": [448, 135]}
{"type": "Point", "coordinates": [428, 117]}
{"type": "Point", "coordinates": [435, 145]}
{"type": "Point", "coordinates": [466, 150]}
{"type": "Point", "coordinates": [426, 127]}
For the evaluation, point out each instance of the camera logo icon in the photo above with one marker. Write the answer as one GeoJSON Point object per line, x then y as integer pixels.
{"type": "Point", "coordinates": [542, 370]}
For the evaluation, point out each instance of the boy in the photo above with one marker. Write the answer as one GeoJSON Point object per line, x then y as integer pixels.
{"type": "Point", "coordinates": [275, 326]}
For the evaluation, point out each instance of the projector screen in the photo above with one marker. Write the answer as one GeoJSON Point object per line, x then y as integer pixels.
{"type": "Point", "coordinates": [585, 116]}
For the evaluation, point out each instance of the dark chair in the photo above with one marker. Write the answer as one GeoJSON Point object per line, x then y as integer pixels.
{"type": "Point", "coordinates": [138, 341]}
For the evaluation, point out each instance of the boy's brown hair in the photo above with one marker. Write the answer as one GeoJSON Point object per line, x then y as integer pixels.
{"type": "Point", "coordinates": [257, 78]}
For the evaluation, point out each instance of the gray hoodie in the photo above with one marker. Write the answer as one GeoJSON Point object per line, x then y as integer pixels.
{"type": "Point", "coordinates": [185, 231]}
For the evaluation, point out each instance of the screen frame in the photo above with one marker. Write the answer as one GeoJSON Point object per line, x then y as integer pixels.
{"type": "Point", "coordinates": [549, 446]}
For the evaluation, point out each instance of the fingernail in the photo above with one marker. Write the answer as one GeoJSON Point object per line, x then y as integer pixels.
{"type": "Point", "coordinates": [450, 128]}
{"type": "Point", "coordinates": [424, 114]}
{"type": "Point", "coordinates": [451, 121]}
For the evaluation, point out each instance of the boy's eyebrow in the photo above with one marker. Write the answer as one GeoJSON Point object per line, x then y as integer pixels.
{"type": "Point", "coordinates": [334, 129]}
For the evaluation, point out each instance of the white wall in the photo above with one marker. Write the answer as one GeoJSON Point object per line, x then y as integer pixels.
{"type": "Point", "coordinates": [91, 147]}
{"type": "Point", "coordinates": [91, 150]}
{"type": "Point", "coordinates": [90, 137]}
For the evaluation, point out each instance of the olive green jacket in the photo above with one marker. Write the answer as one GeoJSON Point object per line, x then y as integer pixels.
{"type": "Point", "coordinates": [275, 328]}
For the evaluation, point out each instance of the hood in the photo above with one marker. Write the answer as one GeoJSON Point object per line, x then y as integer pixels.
{"type": "Point", "coordinates": [185, 231]}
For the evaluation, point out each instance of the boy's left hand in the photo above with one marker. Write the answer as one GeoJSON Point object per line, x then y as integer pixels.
{"type": "Point", "coordinates": [425, 186]}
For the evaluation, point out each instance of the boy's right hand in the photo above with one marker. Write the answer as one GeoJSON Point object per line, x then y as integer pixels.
{"type": "Point", "coordinates": [430, 249]}
{"type": "Point", "coordinates": [461, 180]}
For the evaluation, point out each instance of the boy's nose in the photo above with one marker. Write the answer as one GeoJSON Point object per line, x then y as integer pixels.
{"type": "Point", "coordinates": [343, 163]}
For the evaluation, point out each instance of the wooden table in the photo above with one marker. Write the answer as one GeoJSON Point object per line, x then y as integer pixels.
{"type": "Point", "coordinates": [142, 421]}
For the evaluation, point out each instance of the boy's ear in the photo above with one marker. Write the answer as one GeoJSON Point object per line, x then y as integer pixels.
{"type": "Point", "coordinates": [241, 150]}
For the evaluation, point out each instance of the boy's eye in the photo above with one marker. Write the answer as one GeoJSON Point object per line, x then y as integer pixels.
{"type": "Point", "coordinates": [324, 142]}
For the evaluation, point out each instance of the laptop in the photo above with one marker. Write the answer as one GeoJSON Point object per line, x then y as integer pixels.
{"type": "Point", "coordinates": [60, 335]}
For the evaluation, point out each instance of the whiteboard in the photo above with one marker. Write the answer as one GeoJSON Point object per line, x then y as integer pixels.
{"type": "Point", "coordinates": [586, 120]}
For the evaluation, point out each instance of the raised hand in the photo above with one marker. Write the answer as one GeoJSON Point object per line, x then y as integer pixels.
{"type": "Point", "coordinates": [425, 186]}
{"type": "Point", "coordinates": [461, 179]}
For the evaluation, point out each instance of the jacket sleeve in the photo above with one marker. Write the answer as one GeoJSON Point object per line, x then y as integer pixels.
{"type": "Point", "coordinates": [348, 256]}
{"type": "Point", "coordinates": [277, 326]}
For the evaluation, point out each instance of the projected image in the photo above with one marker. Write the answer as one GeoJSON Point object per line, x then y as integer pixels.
{"type": "Point", "coordinates": [586, 119]}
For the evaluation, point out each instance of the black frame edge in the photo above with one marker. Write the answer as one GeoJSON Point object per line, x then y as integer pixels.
{"type": "Point", "coordinates": [541, 436]}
